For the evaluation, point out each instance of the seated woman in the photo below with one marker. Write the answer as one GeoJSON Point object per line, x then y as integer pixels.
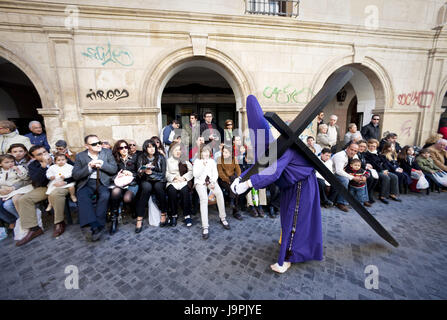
{"type": "Point", "coordinates": [205, 178]}
{"type": "Point", "coordinates": [389, 182]}
{"type": "Point", "coordinates": [127, 166]}
{"type": "Point", "coordinates": [20, 154]}
{"type": "Point", "coordinates": [179, 181]}
{"type": "Point", "coordinates": [322, 137]}
{"type": "Point", "coordinates": [151, 166]}
{"type": "Point", "coordinates": [407, 161]}
{"type": "Point", "coordinates": [428, 167]}
{"type": "Point", "coordinates": [160, 146]}
{"type": "Point", "coordinates": [389, 158]}
{"type": "Point", "coordinates": [229, 170]}
{"type": "Point", "coordinates": [15, 179]}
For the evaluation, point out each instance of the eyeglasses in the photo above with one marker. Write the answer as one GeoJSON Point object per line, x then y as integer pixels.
{"type": "Point", "coordinates": [94, 144]}
{"type": "Point", "coordinates": [125, 147]}
{"type": "Point", "coordinates": [132, 145]}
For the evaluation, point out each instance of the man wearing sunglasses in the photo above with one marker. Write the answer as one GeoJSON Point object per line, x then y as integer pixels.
{"type": "Point", "coordinates": [133, 148]}
{"type": "Point", "coordinates": [93, 171]}
{"type": "Point", "coordinates": [372, 130]}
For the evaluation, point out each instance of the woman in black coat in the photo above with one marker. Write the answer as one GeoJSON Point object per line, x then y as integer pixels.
{"type": "Point", "coordinates": [389, 182]}
{"type": "Point", "coordinates": [127, 165]}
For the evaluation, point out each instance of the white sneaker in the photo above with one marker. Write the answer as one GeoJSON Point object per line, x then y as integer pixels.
{"type": "Point", "coordinates": [280, 269]}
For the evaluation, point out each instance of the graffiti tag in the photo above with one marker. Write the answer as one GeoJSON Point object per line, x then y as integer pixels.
{"type": "Point", "coordinates": [109, 95]}
{"type": "Point", "coordinates": [286, 95]}
{"type": "Point", "coordinates": [405, 129]}
{"type": "Point", "coordinates": [116, 55]}
{"type": "Point", "coordinates": [415, 98]}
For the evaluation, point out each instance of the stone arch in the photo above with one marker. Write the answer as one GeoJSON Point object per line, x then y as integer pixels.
{"type": "Point", "coordinates": [374, 71]}
{"type": "Point", "coordinates": [15, 56]}
{"type": "Point", "coordinates": [159, 73]}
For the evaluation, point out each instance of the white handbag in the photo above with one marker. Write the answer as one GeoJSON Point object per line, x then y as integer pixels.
{"type": "Point", "coordinates": [422, 183]}
{"type": "Point", "coordinates": [154, 213]}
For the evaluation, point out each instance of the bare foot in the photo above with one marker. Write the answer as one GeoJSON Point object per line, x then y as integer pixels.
{"type": "Point", "coordinates": [281, 269]}
{"type": "Point", "coordinates": [49, 207]}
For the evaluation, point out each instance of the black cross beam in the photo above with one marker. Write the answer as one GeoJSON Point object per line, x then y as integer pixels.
{"type": "Point", "coordinates": [289, 138]}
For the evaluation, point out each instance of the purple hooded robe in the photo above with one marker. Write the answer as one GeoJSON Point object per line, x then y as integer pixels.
{"type": "Point", "coordinates": [294, 175]}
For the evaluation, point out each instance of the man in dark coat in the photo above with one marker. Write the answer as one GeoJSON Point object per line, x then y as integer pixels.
{"type": "Point", "coordinates": [88, 165]}
{"type": "Point", "coordinates": [372, 130]}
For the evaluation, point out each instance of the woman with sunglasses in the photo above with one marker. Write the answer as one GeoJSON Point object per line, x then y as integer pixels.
{"type": "Point", "coordinates": [160, 145]}
{"type": "Point", "coordinates": [127, 166]}
{"type": "Point", "coordinates": [151, 166]}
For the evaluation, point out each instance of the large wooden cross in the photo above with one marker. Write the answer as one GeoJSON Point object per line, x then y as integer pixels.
{"type": "Point", "coordinates": [289, 138]}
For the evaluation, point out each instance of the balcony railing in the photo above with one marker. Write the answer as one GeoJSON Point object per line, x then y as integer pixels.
{"type": "Point", "coordinates": [285, 8]}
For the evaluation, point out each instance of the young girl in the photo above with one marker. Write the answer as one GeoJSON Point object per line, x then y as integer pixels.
{"type": "Point", "coordinates": [407, 161]}
{"type": "Point", "coordinates": [12, 178]}
{"type": "Point", "coordinates": [205, 178]}
{"type": "Point", "coordinates": [60, 171]}
{"type": "Point", "coordinates": [20, 154]}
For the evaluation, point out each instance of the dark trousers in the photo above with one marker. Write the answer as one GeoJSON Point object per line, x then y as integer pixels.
{"type": "Point", "coordinates": [322, 188]}
{"type": "Point", "coordinates": [389, 184]}
{"type": "Point", "coordinates": [371, 184]}
{"type": "Point", "coordinates": [5, 215]}
{"type": "Point", "coordinates": [146, 189]}
{"type": "Point", "coordinates": [226, 186]}
{"type": "Point", "coordinates": [274, 196]}
{"type": "Point", "coordinates": [88, 214]}
{"type": "Point", "coordinates": [173, 203]}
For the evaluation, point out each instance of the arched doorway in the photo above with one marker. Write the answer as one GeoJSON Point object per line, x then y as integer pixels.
{"type": "Point", "coordinates": [19, 98]}
{"type": "Point", "coordinates": [362, 94]}
{"type": "Point", "coordinates": [198, 90]}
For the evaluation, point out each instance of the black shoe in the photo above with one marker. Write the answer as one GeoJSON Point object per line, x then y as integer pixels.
{"type": "Point", "coordinates": [205, 235]}
{"type": "Point", "coordinates": [188, 222]}
{"type": "Point", "coordinates": [138, 230]}
{"type": "Point", "coordinates": [385, 201]}
{"type": "Point", "coordinates": [237, 215]}
{"type": "Point", "coordinates": [328, 204]}
{"type": "Point", "coordinates": [226, 226]}
{"type": "Point", "coordinates": [164, 224]}
{"type": "Point", "coordinates": [253, 212]}
{"type": "Point", "coordinates": [173, 221]}
{"type": "Point", "coordinates": [87, 232]}
{"type": "Point", "coordinates": [396, 199]}
{"type": "Point", "coordinates": [261, 213]}
{"type": "Point", "coordinates": [96, 234]}
{"type": "Point", "coordinates": [372, 200]}
{"type": "Point", "coordinates": [114, 226]}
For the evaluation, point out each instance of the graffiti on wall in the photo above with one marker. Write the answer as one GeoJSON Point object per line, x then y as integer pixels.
{"type": "Point", "coordinates": [416, 98]}
{"type": "Point", "coordinates": [287, 94]}
{"type": "Point", "coordinates": [110, 54]}
{"type": "Point", "coordinates": [405, 129]}
{"type": "Point", "coordinates": [107, 95]}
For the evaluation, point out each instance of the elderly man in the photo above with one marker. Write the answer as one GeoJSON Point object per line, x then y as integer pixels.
{"type": "Point", "coordinates": [93, 170]}
{"type": "Point", "coordinates": [27, 203]}
{"type": "Point", "coordinates": [340, 160]}
{"type": "Point", "coordinates": [333, 132]}
{"type": "Point", "coordinates": [352, 134]}
{"type": "Point", "coordinates": [9, 136]}
{"type": "Point", "coordinates": [439, 154]}
{"type": "Point", "coordinates": [133, 148]}
{"type": "Point", "coordinates": [37, 136]}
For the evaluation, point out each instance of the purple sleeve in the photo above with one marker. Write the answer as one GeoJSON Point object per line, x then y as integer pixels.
{"type": "Point", "coordinates": [271, 173]}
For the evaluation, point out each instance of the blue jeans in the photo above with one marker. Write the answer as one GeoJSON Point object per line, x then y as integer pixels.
{"type": "Point", "coordinates": [360, 193]}
{"type": "Point", "coordinates": [345, 182]}
{"type": "Point", "coordinates": [8, 212]}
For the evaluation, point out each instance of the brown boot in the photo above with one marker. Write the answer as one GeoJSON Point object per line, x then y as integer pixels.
{"type": "Point", "coordinates": [367, 204]}
{"type": "Point", "coordinates": [29, 236]}
{"type": "Point", "coordinates": [342, 207]}
{"type": "Point", "coordinates": [59, 229]}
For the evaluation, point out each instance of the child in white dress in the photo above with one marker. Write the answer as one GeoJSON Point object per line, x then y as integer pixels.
{"type": "Point", "coordinates": [60, 171]}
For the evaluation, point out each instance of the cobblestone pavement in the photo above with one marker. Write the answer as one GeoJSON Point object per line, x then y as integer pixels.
{"type": "Point", "coordinates": [175, 263]}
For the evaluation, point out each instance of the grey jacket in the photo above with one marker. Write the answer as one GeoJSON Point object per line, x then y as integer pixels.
{"type": "Point", "coordinates": [81, 173]}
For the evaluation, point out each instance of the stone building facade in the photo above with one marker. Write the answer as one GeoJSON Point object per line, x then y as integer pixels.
{"type": "Point", "coordinates": [105, 67]}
